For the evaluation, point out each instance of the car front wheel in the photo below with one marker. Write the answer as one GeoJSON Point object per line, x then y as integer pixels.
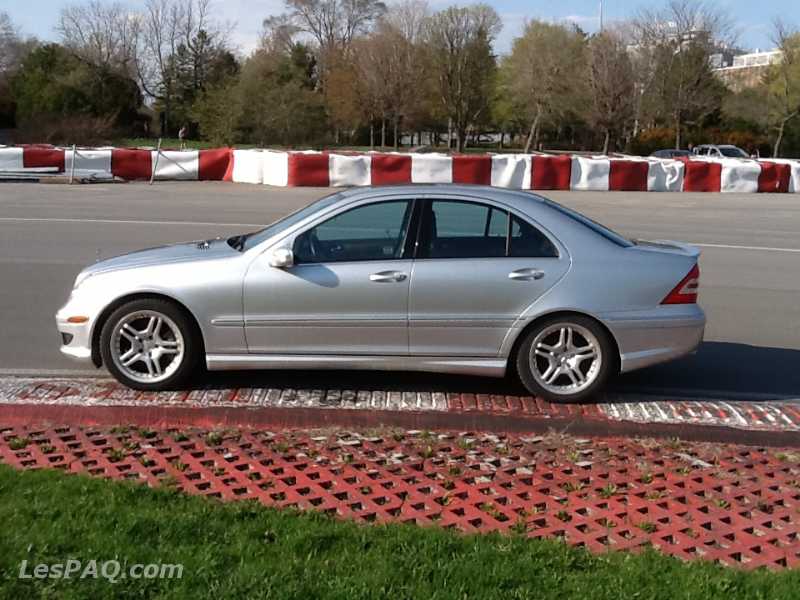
{"type": "Point", "coordinates": [566, 359]}
{"type": "Point", "coordinates": [150, 344]}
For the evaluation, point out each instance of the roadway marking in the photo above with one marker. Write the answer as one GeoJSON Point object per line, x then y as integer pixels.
{"type": "Point", "coordinates": [758, 248]}
{"type": "Point", "coordinates": [124, 222]}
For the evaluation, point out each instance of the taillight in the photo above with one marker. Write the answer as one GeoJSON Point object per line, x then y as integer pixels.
{"type": "Point", "coordinates": [686, 291]}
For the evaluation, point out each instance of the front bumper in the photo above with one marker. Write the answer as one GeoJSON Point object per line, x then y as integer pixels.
{"type": "Point", "coordinates": [657, 336]}
{"type": "Point", "coordinates": [76, 338]}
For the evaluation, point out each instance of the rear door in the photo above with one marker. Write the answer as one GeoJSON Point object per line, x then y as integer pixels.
{"type": "Point", "coordinates": [478, 266]}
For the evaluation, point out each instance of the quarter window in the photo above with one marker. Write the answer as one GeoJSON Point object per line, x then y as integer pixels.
{"type": "Point", "coordinates": [370, 232]}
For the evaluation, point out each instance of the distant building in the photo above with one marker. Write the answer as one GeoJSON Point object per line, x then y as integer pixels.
{"type": "Point", "coordinates": [746, 70]}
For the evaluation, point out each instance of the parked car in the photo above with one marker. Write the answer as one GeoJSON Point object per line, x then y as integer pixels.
{"type": "Point", "coordinates": [720, 151]}
{"type": "Point", "coordinates": [450, 278]}
{"type": "Point", "coordinates": [671, 153]}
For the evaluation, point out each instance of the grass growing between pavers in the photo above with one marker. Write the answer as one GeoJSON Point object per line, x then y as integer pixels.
{"type": "Point", "coordinates": [242, 549]}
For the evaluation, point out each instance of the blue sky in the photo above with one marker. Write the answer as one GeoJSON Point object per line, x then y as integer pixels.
{"type": "Point", "coordinates": [38, 17]}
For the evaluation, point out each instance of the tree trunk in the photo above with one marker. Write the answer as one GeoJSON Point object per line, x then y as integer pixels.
{"type": "Point", "coordinates": [533, 133]}
{"type": "Point", "coordinates": [396, 140]}
{"type": "Point", "coordinates": [383, 133]}
{"type": "Point", "coordinates": [502, 136]}
{"type": "Point", "coordinates": [777, 148]}
{"type": "Point", "coordinates": [605, 143]}
{"type": "Point", "coordinates": [449, 133]}
{"type": "Point", "coordinates": [371, 135]}
{"type": "Point", "coordinates": [677, 132]}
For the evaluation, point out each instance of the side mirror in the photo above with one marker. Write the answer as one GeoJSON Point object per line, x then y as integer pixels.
{"type": "Point", "coordinates": [281, 258]}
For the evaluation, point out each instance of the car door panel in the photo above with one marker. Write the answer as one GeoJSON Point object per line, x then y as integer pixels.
{"type": "Point", "coordinates": [347, 291]}
{"type": "Point", "coordinates": [465, 307]}
{"type": "Point", "coordinates": [327, 308]}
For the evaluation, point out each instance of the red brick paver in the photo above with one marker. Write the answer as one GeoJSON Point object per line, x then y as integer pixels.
{"type": "Point", "coordinates": [736, 505]}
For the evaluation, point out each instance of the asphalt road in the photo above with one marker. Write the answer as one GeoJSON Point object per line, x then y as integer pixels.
{"type": "Point", "coordinates": [750, 284]}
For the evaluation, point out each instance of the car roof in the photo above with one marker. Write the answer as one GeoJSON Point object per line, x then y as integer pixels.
{"type": "Point", "coordinates": [465, 189]}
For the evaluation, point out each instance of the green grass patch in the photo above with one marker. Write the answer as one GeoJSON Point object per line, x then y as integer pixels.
{"type": "Point", "coordinates": [245, 550]}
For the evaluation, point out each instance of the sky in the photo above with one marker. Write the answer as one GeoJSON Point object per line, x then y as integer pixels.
{"type": "Point", "coordinates": [752, 19]}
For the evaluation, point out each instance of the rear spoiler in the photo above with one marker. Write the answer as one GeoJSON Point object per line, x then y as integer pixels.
{"type": "Point", "coordinates": [670, 246]}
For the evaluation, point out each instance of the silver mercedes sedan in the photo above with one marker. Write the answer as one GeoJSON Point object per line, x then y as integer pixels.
{"type": "Point", "coordinates": [444, 278]}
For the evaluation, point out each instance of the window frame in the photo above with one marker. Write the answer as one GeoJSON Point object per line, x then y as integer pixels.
{"type": "Point", "coordinates": [422, 211]}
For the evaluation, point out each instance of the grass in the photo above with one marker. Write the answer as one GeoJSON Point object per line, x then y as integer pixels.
{"type": "Point", "coordinates": [245, 550]}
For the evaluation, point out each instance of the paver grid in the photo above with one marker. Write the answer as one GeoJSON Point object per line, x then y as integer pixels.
{"type": "Point", "coordinates": [736, 505]}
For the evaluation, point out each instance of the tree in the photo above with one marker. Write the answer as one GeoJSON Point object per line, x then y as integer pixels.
{"type": "Point", "coordinates": [280, 102]}
{"type": "Point", "coordinates": [334, 24]}
{"type": "Point", "coordinates": [782, 83]}
{"type": "Point", "coordinates": [459, 44]}
{"type": "Point", "coordinates": [101, 34]}
{"type": "Point", "coordinates": [390, 70]}
{"type": "Point", "coordinates": [53, 86]}
{"type": "Point", "coordinates": [545, 73]}
{"type": "Point", "coordinates": [678, 43]}
{"type": "Point", "coordinates": [179, 41]}
{"type": "Point", "coordinates": [611, 85]}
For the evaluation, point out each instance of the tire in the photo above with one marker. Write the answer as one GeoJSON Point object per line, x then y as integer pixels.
{"type": "Point", "coordinates": [577, 349]}
{"type": "Point", "coordinates": [151, 345]}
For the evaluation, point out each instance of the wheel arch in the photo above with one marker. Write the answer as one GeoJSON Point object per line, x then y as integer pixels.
{"type": "Point", "coordinates": [114, 305]}
{"type": "Point", "coordinates": [520, 337]}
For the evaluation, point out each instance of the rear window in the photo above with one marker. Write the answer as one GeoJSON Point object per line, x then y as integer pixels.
{"type": "Point", "coordinates": [602, 230]}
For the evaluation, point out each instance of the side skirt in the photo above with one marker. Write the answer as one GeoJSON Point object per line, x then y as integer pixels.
{"type": "Point", "coordinates": [489, 367]}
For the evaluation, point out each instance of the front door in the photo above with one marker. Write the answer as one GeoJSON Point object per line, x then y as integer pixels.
{"type": "Point", "coordinates": [347, 292]}
{"type": "Point", "coordinates": [478, 268]}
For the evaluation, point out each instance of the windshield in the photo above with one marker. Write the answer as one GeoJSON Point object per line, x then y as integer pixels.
{"type": "Point", "coordinates": [732, 152]}
{"type": "Point", "coordinates": [612, 236]}
{"type": "Point", "coordinates": [251, 240]}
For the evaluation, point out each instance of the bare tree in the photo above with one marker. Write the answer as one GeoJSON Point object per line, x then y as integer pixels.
{"type": "Point", "coordinates": [611, 84]}
{"type": "Point", "coordinates": [459, 42]}
{"type": "Point", "coordinates": [783, 82]}
{"type": "Point", "coordinates": [334, 24]}
{"type": "Point", "coordinates": [678, 43]}
{"type": "Point", "coordinates": [544, 73]}
{"type": "Point", "coordinates": [101, 34]}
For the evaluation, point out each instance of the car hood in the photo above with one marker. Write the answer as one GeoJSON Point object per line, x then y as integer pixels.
{"type": "Point", "coordinates": [174, 253]}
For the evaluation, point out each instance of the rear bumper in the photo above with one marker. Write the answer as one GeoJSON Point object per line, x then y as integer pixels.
{"type": "Point", "coordinates": [654, 337]}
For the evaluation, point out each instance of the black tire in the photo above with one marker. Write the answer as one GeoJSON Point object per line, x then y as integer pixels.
{"type": "Point", "coordinates": [608, 364]}
{"type": "Point", "coordinates": [191, 359]}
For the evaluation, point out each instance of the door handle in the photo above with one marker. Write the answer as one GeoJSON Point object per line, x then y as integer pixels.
{"type": "Point", "coordinates": [526, 274]}
{"type": "Point", "coordinates": [387, 276]}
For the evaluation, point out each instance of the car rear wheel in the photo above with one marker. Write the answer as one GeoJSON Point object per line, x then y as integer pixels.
{"type": "Point", "coordinates": [566, 359]}
{"type": "Point", "coordinates": [150, 344]}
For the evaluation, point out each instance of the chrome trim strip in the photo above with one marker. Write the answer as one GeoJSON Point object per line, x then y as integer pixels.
{"type": "Point", "coordinates": [365, 322]}
{"type": "Point", "coordinates": [491, 367]}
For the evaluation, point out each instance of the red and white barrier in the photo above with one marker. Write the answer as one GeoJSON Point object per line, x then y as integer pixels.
{"type": "Point", "coordinates": [11, 159]}
{"type": "Point", "coordinates": [739, 176]}
{"type": "Point", "coordinates": [248, 166]}
{"type": "Point", "coordinates": [324, 169]}
{"type": "Point", "coordinates": [511, 171]}
{"type": "Point", "coordinates": [431, 168]}
{"type": "Point", "coordinates": [590, 174]}
{"type": "Point", "coordinates": [176, 164]}
{"type": "Point", "coordinates": [88, 162]}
